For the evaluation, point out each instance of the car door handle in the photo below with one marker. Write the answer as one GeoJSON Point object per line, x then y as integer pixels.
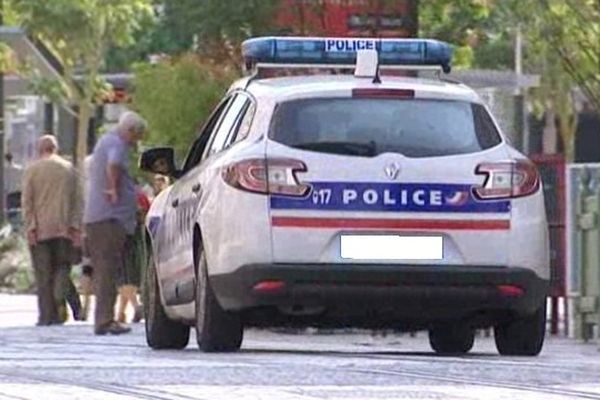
{"type": "Point", "coordinates": [196, 188]}
{"type": "Point", "coordinates": [175, 203]}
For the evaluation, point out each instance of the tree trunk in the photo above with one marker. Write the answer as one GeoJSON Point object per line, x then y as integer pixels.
{"type": "Point", "coordinates": [302, 18]}
{"type": "Point", "coordinates": [550, 133]}
{"type": "Point", "coordinates": [568, 129]}
{"type": "Point", "coordinates": [412, 18]}
{"type": "Point", "coordinates": [83, 124]}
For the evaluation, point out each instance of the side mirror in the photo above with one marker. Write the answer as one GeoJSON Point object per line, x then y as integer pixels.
{"type": "Point", "coordinates": [160, 160]}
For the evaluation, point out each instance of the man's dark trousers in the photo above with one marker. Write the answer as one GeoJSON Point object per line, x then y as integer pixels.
{"type": "Point", "coordinates": [51, 263]}
{"type": "Point", "coordinates": [107, 249]}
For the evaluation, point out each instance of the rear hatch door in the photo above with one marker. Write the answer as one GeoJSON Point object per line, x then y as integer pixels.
{"type": "Point", "coordinates": [391, 181]}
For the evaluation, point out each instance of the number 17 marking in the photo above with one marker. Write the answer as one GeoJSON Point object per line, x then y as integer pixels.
{"type": "Point", "coordinates": [321, 196]}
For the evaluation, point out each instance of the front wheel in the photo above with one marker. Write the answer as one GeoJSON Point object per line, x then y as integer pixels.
{"type": "Point", "coordinates": [451, 338]}
{"type": "Point", "coordinates": [216, 329]}
{"type": "Point", "coordinates": [161, 331]}
{"type": "Point", "coordinates": [523, 336]}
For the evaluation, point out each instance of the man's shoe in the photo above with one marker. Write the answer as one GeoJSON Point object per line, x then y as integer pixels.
{"type": "Point", "coordinates": [49, 323]}
{"type": "Point", "coordinates": [62, 314]}
{"type": "Point", "coordinates": [112, 328]}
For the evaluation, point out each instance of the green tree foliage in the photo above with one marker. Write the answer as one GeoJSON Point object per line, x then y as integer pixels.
{"type": "Point", "coordinates": [567, 31]}
{"type": "Point", "coordinates": [148, 39]}
{"type": "Point", "coordinates": [571, 30]}
{"type": "Point", "coordinates": [177, 96]}
{"type": "Point", "coordinates": [6, 58]}
{"type": "Point", "coordinates": [460, 22]}
{"type": "Point", "coordinates": [9, 16]}
{"type": "Point", "coordinates": [211, 27]}
{"type": "Point", "coordinates": [79, 33]}
{"type": "Point", "coordinates": [564, 46]}
{"type": "Point", "coordinates": [218, 26]}
{"type": "Point", "coordinates": [561, 43]}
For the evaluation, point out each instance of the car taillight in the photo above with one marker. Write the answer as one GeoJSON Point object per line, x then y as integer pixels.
{"type": "Point", "coordinates": [507, 179]}
{"type": "Point", "coordinates": [267, 176]}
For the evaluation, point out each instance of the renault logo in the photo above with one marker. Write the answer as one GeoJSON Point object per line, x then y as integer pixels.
{"type": "Point", "coordinates": [392, 170]}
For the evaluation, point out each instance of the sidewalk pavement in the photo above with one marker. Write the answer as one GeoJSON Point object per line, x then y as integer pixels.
{"type": "Point", "coordinates": [17, 310]}
{"type": "Point", "coordinates": [20, 310]}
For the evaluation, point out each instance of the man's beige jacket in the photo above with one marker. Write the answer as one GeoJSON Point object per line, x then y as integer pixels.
{"type": "Point", "coordinates": [52, 200]}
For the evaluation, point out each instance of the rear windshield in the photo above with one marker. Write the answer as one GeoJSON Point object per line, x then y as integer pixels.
{"type": "Point", "coordinates": [368, 127]}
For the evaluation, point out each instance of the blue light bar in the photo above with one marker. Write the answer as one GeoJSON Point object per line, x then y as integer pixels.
{"type": "Point", "coordinates": [342, 51]}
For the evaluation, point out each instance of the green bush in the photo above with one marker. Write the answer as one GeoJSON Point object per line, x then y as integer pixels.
{"type": "Point", "coordinates": [176, 97]}
{"type": "Point", "coordinates": [16, 273]}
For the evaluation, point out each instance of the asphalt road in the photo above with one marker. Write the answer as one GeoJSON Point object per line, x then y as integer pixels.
{"type": "Point", "coordinates": [69, 362]}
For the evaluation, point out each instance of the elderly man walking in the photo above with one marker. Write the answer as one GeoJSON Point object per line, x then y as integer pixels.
{"type": "Point", "coordinates": [110, 215]}
{"type": "Point", "coordinates": [52, 206]}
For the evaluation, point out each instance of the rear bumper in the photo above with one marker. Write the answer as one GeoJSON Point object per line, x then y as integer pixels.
{"type": "Point", "coordinates": [355, 293]}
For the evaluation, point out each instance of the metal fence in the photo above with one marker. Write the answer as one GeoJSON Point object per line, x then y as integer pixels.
{"type": "Point", "coordinates": [583, 248]}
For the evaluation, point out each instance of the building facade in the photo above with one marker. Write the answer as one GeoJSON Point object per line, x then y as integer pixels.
{"type": "Point", "coordinates": [379, 18]}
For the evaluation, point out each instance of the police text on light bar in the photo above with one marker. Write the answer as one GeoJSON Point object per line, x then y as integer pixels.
{"type": "Point", "coordinates": [350, 44]}
{"type": "Point", "coordinates": [342, 51]}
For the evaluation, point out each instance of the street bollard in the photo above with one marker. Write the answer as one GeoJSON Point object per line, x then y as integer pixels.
{"type": "Point", "coordinates": [581, 193]}
{"type": "Point", "coordinates": [588, 222]}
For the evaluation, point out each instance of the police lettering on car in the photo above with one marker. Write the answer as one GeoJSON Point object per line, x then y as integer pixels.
{"type": "Point", "coordinates": [350, 45]}
{"type": "Point", "coordinates": [396, 197]}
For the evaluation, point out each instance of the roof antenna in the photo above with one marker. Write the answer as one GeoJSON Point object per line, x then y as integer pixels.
{"type": "Point", "coordinates": [367, 65]}
{"type": "Point", "coordinates": [377, 77]}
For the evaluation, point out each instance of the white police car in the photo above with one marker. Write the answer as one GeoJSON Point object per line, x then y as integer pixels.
{"type": "Point", "coordinates": [348, 200]}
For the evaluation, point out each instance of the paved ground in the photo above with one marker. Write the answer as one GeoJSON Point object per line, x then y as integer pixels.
{"type": "Point", "coordinates": [68, 362]}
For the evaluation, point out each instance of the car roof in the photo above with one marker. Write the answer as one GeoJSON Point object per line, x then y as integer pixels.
{"type": "Point", "coordinates": [282, 88]}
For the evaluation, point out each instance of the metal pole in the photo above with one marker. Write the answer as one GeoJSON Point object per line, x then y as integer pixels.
{"type": "Point", "coordinates": [520, 118]}
{"type": "Point", "coordinates": [2, 186]}
{"type": "Point", "coordinates": [519, 52]}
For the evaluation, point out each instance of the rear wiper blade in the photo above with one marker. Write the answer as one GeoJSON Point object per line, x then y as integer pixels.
{"type": "Point", "coordinates": [367, 149]}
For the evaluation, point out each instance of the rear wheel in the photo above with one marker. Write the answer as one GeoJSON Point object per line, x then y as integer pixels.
{"type": "Point", "coordinates": [522, 336]}
{"type": "Point", "coordinates": [161, 331]}
{"type": "Point", "coordinates": [451, 338]}
{"type": "Point", "coordinates": [216, 329]}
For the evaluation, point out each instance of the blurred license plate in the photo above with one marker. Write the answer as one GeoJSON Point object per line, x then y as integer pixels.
{"type": "Point", "coordinates": [391, 247]}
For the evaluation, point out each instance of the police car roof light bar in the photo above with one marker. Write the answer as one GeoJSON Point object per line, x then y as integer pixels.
{"type": "Point", "coordinates": [302, 52]}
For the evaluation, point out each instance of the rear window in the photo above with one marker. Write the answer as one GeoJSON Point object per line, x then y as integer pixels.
{"type": "Point", "coordinates": [368, 127]}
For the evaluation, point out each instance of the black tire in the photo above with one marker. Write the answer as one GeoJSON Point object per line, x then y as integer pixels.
{"type": "Point", "coordinates": [161, 331]}
{"type": "Point", "coordinates": [522, 336]}
{"type": "Point", "coordinates": [451, 338]}
{"type": "Point", "coordinates": [216, 329]}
